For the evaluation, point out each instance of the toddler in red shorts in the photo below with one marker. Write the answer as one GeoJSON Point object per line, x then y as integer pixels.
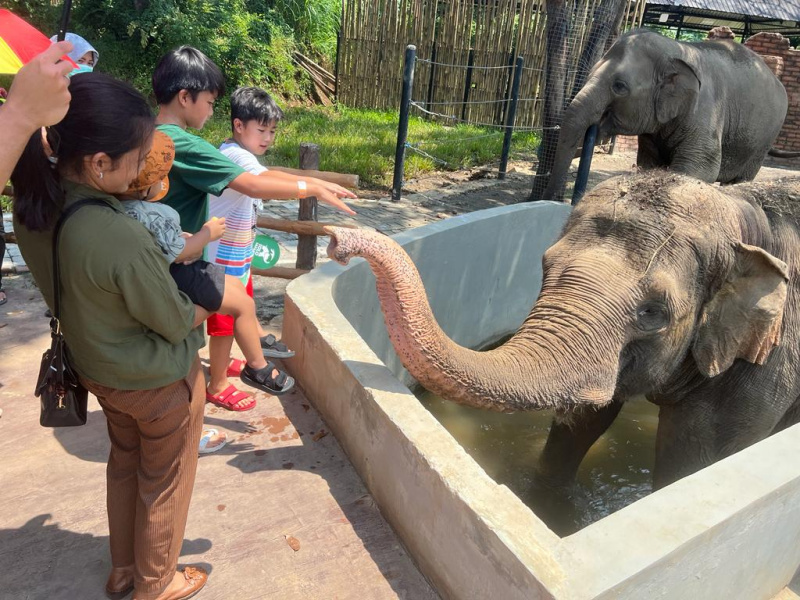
{"type": "Point", "coordinates": [205, 283]}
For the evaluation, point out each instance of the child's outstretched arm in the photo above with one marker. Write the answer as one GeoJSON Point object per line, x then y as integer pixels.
{"type": "Point", "coordinates": [334, 188]}
{"type": "Point", "coordinates": [212, 230]}
{"type": "Point", "coordinates": [281, 188]}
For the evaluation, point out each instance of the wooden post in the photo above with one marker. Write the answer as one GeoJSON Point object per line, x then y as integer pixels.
{"type": "Point", "coordinates": [307, 244]}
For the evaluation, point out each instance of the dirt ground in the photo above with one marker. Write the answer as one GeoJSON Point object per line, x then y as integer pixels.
{"type": "Point", "coordinates": [604, 166]}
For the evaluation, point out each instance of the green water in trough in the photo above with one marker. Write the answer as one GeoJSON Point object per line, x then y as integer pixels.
{"type": "Point", "coordinates": [617, 469]}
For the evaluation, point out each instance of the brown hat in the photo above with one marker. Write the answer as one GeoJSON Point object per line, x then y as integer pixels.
{"type": "Point", "coordinates": [157, 164]}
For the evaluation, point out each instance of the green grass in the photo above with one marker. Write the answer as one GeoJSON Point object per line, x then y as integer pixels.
{"type": "Point", "coordinates": [363, 142]}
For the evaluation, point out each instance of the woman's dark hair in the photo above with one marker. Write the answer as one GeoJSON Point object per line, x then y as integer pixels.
{"type": "Point", "coordinates": [186, 68]}
{"type": "Point", "coordinates": [105, 115]}
{"type": "Point", "coordinates": [254, 104]}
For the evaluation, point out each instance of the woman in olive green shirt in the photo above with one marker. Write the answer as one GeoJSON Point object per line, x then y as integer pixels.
{"type": "Point", "coordinates": [131, 334]}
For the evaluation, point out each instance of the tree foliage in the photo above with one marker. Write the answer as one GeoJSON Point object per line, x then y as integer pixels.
{"type": "Point", "coordinates": [251, 40]}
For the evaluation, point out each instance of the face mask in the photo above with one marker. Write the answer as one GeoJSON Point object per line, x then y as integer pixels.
{"type": "Point", "coordinates": [81, 69]}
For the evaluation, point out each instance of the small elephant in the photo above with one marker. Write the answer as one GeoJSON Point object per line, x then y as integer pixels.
{"type": "Point", "coordinates": [660, 285]}
{"type": "Point", "coordinates": [708, 109]}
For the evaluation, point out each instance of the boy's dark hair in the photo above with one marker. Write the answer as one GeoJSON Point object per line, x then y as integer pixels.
{"type": "Point", "coordinates": [186, 68]}
{"type": "Point", "coordinates": [105, 115]}
{"type": "Point", "coordinates": [254, 104]}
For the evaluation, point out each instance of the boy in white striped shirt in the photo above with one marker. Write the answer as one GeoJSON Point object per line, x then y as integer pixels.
{"type": "Point", "coordinates": [254, 121]}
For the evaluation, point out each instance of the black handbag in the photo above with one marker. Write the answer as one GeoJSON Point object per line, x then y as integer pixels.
{"type": "Point", "coordinates": [64, 399]}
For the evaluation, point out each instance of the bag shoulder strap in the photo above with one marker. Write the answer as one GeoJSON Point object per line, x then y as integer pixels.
{"type": "Point", "coordinates": [71, 210]}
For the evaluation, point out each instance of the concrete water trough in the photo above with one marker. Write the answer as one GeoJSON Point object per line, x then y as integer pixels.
{"type": "Point", "coordinates": [728, 532]}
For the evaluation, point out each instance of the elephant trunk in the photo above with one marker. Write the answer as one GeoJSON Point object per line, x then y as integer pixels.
{"type": "Point", "coordinates": [535, 369]}
{"type": "Point", "coordinates": [585, 110]}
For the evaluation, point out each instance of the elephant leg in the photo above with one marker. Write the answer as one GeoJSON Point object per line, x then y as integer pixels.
{"type": "Point", "coordinates": [709, 426]}
{"type": "Point", "coordinates": [569, 440]}
{"type": "Point", "coordinates": [702, 161]}
{"type": "Point", "coordinates": [790, 417]}
{"type": "Point", "coordinates": [747, 173]}
{"type": "Point", "coordinates": [552, 496]}
{"type": "Point", "coordinates": [647, 154]}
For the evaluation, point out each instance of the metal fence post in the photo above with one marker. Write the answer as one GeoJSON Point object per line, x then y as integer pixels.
{"type": "Point", "coordinates": [585, 165]}
{"type": "Point", "coordinates": [511, 115]}
{"type": "Point", "coordinates": [468, 84]}
{"type": "Point", "coordinates": [402, 126]}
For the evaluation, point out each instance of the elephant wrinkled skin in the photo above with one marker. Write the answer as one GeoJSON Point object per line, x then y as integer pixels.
{"type": "Point", "coordinates": [659, 285]}
{"type": "Point", "coordinates": [708, 109]}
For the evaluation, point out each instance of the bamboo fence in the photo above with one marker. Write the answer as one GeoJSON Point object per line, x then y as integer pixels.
{"type": "Point", "coordinates": [375, 34]}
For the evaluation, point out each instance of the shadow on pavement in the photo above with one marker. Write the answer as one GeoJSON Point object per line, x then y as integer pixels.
{"type": "Point", "coordinates": [42, 561]}
{"type": "Point", "coordinates": [88, 442]}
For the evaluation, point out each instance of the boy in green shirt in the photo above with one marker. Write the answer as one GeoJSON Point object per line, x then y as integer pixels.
{"type": "Point", "coordinates": [186, 84]}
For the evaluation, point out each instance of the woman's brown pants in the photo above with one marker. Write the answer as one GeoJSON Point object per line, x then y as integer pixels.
{"type": "Point", "coordinates": [154, 441]}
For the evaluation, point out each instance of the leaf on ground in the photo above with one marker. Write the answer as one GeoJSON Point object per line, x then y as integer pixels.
{"type": "Point", "coordinates": [319, 435]}
{"type": "Point", "coordinates": [293, 542]}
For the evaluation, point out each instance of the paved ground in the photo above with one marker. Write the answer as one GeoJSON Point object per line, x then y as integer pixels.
{"type": "Point", "coordinates": [279, 513]}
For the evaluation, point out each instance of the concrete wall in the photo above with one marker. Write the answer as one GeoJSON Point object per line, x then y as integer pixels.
{"type": "Point", "coordinates": [470, 537]}
{"type": "Point", "coordinates": [727, 532]}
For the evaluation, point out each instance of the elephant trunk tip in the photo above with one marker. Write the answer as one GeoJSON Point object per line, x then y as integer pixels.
{"type": "Point", "coordinates": [348, 242]}
{"type": "Point", "coordinates": [337, 248]}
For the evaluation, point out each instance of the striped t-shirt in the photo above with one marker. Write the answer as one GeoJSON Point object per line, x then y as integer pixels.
{"type": "Point", "coordinates": [234, 250]}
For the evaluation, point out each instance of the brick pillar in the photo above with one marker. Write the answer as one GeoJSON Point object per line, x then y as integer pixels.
{"type": "Point", "coordinates": [785, 63]}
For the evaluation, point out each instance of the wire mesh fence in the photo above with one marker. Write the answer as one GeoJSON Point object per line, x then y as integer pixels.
{"type": "Point", "coordinates": [467, 55]}
{"type": "Point", "coordinates": [467, 50]}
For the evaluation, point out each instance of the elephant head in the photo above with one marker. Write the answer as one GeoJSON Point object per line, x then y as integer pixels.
{"type": "Point", "coordinates": [649, 285]}
{"type": "Point", "coordinates": [642, 83]}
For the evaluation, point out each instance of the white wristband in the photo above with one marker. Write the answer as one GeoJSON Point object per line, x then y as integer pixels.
{"type": "Point", "coordinates": [302, 189]}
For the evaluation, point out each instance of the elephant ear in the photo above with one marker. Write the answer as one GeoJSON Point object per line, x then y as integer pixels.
{"type": "Point", "coordinates": [743, 319]}
{"type": "Point", "coordinates": [677, 90]}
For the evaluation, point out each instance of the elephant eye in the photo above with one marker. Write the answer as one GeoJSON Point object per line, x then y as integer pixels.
{"type": "Point", "coordinates": [652, 316]}
{"type": "Point", "coordinates": [619, 87]}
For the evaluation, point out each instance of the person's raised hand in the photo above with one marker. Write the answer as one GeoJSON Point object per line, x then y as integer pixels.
{"type": "Point", "coordinates": [215, 228]}
{"type": "Point", "coordinates": [334, 188]}
{"type": "Point", "coordinates": [323, 194]}
{"type": "Point", "coordinates": [39, 96]}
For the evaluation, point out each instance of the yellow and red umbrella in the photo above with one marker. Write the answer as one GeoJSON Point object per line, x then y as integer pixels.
{"type": "Point", "coordinates": [19, 43]}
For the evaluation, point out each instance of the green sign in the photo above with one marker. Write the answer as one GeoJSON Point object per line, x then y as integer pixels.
{"type": "Point", "coordinates": [266, 252]}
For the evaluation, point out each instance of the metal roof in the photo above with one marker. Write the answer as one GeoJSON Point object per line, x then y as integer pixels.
{"type": "Point", "coordinates": [784, 10]}
{"type": "Point", "coordinates": [744, 17]}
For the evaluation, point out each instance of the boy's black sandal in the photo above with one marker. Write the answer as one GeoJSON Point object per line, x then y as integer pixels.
{"type": "Point", "coordinates": [273, 348]}
{"type": "Point", "coordinates": [263, 379]}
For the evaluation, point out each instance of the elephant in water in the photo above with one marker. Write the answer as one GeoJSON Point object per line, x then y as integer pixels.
{"type": "Point", "coordinates": [708, 109]}
{"type": "Point", "coordinates": [660, 285]}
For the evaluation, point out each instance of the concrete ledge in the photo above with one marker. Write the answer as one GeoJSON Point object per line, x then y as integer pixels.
{"type": "Point", "coordinates": [729, 531]}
